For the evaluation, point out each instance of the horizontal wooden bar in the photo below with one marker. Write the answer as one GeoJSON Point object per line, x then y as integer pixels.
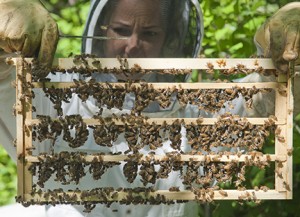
{"type": "Point", "coordinates": [165, 63]}
{"type": "Point", "coordinates": [173, 63]}
{"type": "Point", "coordinates": [169, 121]}
{"type": "Point", "coordinates": [179, 195]}
{"type": "Point", "coordinates": [188, 86]}
{"type": "Point", "coordinates": [183, 157]}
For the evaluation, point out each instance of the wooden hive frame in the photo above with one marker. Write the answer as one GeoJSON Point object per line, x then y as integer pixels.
{"type": "Point", "coordinates": [283, 112]}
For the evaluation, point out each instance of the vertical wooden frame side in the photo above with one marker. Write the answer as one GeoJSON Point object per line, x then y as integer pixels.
{"type": "Point", "coordinates": [281, 109]}
{"type": "Point", "coordinates": [28, 134]}
{"type": "Point", "coordinates": [289, 134]}
{"type": "Point", "coordinates": [20, 129]}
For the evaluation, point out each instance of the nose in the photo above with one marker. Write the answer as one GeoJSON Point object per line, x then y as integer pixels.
{"type": "Point", "coordinates": [133, 46]}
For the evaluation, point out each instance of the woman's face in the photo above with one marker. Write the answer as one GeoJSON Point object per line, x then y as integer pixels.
{"type": "Point", "coordinates": [141, 22]}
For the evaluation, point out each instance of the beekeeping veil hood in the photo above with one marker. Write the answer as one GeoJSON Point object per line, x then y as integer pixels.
{"type": "Point", "coordinates": [184, 22]}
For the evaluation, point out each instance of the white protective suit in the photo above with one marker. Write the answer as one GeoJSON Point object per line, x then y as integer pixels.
{"type": "Point", "coordinates": [114, 177]}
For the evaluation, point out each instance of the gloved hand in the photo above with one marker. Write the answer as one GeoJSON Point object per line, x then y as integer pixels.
{"type": "Point", "coordinates": [279, 37]}
{"type": "Point", "coordinates": [26, 26]}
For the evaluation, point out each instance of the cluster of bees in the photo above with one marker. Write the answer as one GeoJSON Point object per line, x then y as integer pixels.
{"type": "Point", "coordinates": [71, 167]}
{"type": "Point", "coordinates": [86, 65]}
{"type": "Point", "coordinates": [230, 131]}
{"type": "Point", "coordinates": [87, 68]}
{"type": "Point", "coordinates": [207, 99]}
{"type": "Point", "coordinates": [68, 167]}
{"type": "Point", "coordinates": [51, 129]}
{"type": "Point", "coordinates": [227, 132]}
{"type": "Point", "coordinates": [105, 195]}
{"type": "Point", "coordinates": [197, 176]}
{"type": "Point", "coordinates": [238, 69]}
{"type": "Point", "coordinates": [211, 100]}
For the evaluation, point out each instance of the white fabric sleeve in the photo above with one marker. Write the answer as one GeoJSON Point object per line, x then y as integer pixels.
{"type": "Point", "coordinates": [7, 100]}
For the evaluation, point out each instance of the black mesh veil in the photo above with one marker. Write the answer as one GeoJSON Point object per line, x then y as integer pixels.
{"type": "Point", "coordinates": [182, 18]}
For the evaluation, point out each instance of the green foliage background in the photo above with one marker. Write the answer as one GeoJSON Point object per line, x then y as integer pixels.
{"type": "Point", "coordinates": [229, 29]}
{"type": "Point", "coordinates": [8, 178]}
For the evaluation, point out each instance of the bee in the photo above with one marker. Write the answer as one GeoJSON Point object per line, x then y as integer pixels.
{"type": "Point", "coordinates": [96, 64]}
{"type": "Point", "coordinates": [176, 189]}
{"type": "Point", "coordinates": [278, 131]}
{"type": "Point", "coordinates": [230, 91]}
{"type": "Point", "coordinates": [127, 151]}
{"type": "Point", "coordinates": [230, 71]}
{"type": "Point", "coordinates": [243, 197]}
{"type": "Point", "coordinates": [29, 149]}
{"type": "Point", "coordinates": [21, 157]}
{"type": "Point", "coordinates": [254, 196]}
{"type": "Point", "coordinates": [73, 198]}
{"type": "Point", "coordinates": [10, 61]}
{"type": "Point", "coordinates": [281, 139]}
{"type": "Point", "coordinates": [114, 195]}
{"type": "Point", "coordinates": [279, 164]}
{"type": "Point", "coordinates": [120, 189]}
{"type": "Point", "coordinates": [241, 177]}
{"type": "Point", "coordinates": [15, 110]}
{"type": "Point", "coordinates": [240, 188]}
{"type": "Point", "coordinates": [221, 63]}
{"type": "Point", "coordinates": [239, 153]}
{"type": "Point", "coordinates": [282, 91]}
{"type": "Point", "coordinates": [77, 60]}
{"type": "Point", "coordinates": [264, 188]}
{"type": "Point", "coordinates": [15, 142]}
{"type": "Point", "coordinates": [130, 171]}
{"type": "Point", "coordinates": [287, 186]}
{"type": "Point", "coordinates": [268, 158]}
{"type": "Point", "coordinates": [216, 159]}
{"type": "Point", "coordinates": [137, 69]}
{"type": "Point", "coordinates": [210, 67]}
{"type": "Point", "coordinates": [273, 118]}
{"type": "Point", "coordinates": [19, 199]}
{"type": "Point", "coordinates": [88, 207]}
{"type": "Point", "coordinates": [46, 195]}
{"type": "Point", "coordinates": [199, 120]}
{"type": "Point", "coordinates": [279, 173]}
{"type": "Point", "coordinates": [223, 193]}
{"type": "Point", "coordinates": [241, 68]}
{"type": "Point", "coordinates": [290, 152]}
{"type": "Point", "coordinates": [125, 64]}
{"type": "Point", "coordinates": [13, 84]}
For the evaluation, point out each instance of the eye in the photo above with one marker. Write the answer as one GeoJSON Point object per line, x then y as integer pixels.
{"type": "Point", "coordinates": [122, 31]}
{"type": "Point", "coordinates": [150, 33]}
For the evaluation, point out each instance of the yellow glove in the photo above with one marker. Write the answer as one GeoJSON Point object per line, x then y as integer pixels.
{"type": "Point", "coordinates": [27, 27]}
{"type": "Point", "coordinates": [279, 37]}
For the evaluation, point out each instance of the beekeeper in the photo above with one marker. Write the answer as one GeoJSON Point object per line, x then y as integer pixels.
{"type": "Point", "coordinates": [153, 28]}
